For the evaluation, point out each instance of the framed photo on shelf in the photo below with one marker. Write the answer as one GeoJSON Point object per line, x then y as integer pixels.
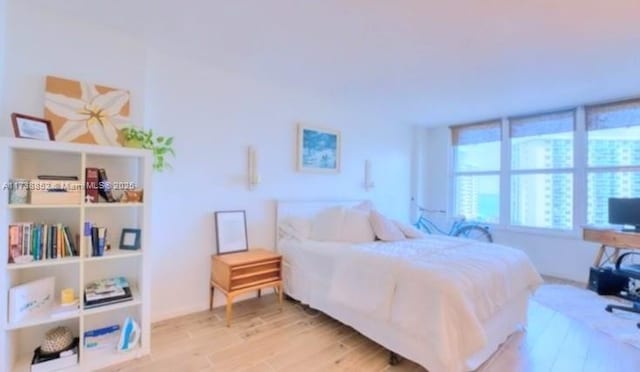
{"type": "Point", "coordinates": [231, 232]}
{"type": "Point", "coordinates": [25, 126]}
{"type": "Point", "coordinates": [130, 239]}
{"type": "Point", "coordinates": [318, 150]}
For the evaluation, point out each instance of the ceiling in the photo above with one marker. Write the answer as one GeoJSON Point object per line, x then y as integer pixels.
{"type": "Point", "coordinates": [412, 61]}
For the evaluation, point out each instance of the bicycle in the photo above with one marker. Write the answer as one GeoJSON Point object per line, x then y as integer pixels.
{"type": "Point", "coordinates": [460, 227]}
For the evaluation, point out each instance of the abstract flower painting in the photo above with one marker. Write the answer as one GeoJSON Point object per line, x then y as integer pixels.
{"type": "Point", "coordinates": [86, 113]}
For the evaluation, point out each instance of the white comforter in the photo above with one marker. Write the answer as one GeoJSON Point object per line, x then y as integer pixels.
{"type": "Point", "coordinates": [438, 289]}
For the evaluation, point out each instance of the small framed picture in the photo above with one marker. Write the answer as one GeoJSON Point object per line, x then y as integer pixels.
{"type": "Point", "coordinates": [231, 232]}
{"type": "Point", "coordinates": [25, 126]}
{"type": "Point", "coordinates": [130, 239]}
{"type": "Point", "coordinates": [318, 150]}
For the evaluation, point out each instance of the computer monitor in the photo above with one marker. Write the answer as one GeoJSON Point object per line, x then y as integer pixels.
{"type": "Point", "coordinates": [625, 211]}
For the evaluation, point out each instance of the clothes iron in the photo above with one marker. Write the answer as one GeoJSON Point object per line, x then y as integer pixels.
{"type": "Point", "coordinates": [129, 336]}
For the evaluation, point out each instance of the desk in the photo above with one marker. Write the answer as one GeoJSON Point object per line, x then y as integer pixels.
{"type": "Point", "coordinates": [616, 240]}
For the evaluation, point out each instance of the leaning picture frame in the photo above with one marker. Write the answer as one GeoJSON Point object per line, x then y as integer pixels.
{"type": "Point", "coordinates": [318, 150]}
{"type": "Point", "coordinates": [130, 239]}
{"type": "Point", "coordinates": [31, 127]}
{"type": "Point", "coordinates": [231, 232]}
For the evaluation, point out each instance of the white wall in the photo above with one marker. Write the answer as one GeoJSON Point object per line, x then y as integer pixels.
{"type": "Point", "coordinates": [553, 254]}
{"type": "Point", "coordinates": [213, 115]}
{"type": "Point", "coordinates": [41, 43]}
{"type": "Point", "coordinates": [3, 43]}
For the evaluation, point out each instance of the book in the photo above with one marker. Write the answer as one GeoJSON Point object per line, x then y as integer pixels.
{"type": "Point", "coordinates": [14, 242]}
{"type": "Point", "coordinates": [73, 251]}
{"type": "Point", "coordinates": [47, 177]}
{"type": "Point", "coordinates": [104, 187]}
{"type": "Point", "coordinates": [100, 338]}
{"type": "Point", "coordinates": [107, 291]}
{"type": "Point", "coordinates": [106, 288]}
{"type": "Point", "coordinates": [91, 185]}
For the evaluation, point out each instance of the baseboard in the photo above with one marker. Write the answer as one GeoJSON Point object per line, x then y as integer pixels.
{"type": "Point", "coordinates": [204, 307]}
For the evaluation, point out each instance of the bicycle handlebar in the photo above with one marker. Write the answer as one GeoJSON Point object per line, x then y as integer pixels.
{"type": "Point", "coordinates": [422, 209]}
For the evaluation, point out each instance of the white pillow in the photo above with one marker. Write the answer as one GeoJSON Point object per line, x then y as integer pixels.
{"type": "Point", "coordinates": [295, 228]}
{"type": "Point", "coordinates": [327, 224]}
{"type": "Point", "coordinates": [384, 228]}
{"type": "Point", "coordinates": [410, 231]}
{"type": "Point", "coordinates": [356, 227]}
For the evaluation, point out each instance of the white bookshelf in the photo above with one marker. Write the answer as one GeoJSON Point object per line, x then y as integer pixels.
{"type": "Point", "coordinates": [25, 159]}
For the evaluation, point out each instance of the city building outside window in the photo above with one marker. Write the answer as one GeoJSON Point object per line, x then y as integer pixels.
{"type": "Point", "coordinates": [542, 170]}
{"type": "Point", "coordinates": [613, 156]}
{"type": "Point", "coordinates": [476, 168]}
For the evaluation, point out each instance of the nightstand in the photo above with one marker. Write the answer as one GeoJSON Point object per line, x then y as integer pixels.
{"type": "Point", "coordinates": [237, 273]}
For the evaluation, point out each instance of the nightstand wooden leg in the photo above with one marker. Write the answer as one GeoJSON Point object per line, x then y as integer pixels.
{"type": "Point", "coordinates": [229, 310]}
{"type": "Point", "coordinates": [259, 293]}
{"type": "Point", "coordinates": [211, 299]}
{"type": "Point", "coordinates": [280, 294]}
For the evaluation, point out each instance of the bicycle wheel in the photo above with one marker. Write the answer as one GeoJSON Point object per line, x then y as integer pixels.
{"type": "Point", "coordinates": [475, 232]}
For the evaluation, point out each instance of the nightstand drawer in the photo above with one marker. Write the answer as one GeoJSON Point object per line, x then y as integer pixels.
{"type": "Point", "coordinates": [255, 267]}
{"type": "Point", "coordinates": [254, 281]}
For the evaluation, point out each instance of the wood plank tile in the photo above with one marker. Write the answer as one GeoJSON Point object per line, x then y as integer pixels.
{"type": "Point", "coordinates": [264, 338]}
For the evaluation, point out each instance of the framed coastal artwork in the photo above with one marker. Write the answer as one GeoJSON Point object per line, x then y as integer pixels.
{"type": "Point", "coordinates": [30, 300]}
{"type": "Point", "coordinates": [318, 150]}
{"type": "Point", "coordinates": [85, 112]}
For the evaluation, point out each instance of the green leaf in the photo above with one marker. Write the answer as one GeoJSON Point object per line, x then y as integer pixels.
{"type": "Point", "coordinates": [169, 141]}
{"type": "Point", "coordinates": [160, 139]}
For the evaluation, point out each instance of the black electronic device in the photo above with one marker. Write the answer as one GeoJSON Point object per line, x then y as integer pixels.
{"type": "Point", "coordinates": [625, 211]}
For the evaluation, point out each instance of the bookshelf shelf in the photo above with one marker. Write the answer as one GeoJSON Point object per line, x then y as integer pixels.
{"type": "Point", "coordinates": [45, 263]}
{"type": "Point", "coordinates": [44, 319]}
{"type": "Point", "coordinates": [137, 300]}
{"type": "Point", "coordinates": [114, 255]}
{"type": "Point", "coordinates": [27, 159]}
{"type": "Point", "coordinates": [113, 205]}
{"type": "Point", "coordinates": [43, 206]}
{"type": "Point", "coordinates": [96, 358]}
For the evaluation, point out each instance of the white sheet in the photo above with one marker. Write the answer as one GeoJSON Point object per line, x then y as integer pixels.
{"type": "Point", "coordinates": [438, 291]}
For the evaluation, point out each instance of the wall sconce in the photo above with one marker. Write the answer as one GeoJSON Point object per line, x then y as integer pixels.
{"type": "Point", "coordinates": [252, 171]}
{"type": "Point", "coordinates": [368, 182]}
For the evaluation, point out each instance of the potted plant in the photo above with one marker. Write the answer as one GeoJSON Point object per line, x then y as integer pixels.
{"type": "Point", "coordinates": [161, 146]}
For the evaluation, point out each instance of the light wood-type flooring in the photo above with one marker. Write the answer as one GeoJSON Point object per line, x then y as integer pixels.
{"type": "Point", "coordinates": [264, 338]}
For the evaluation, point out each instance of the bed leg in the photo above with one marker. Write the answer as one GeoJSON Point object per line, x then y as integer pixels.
{"type": "Point", "coordinates": [394, 359]}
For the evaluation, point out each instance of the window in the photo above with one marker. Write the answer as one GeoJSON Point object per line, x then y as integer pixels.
{"type": "Point", "coordinates": [476, 149]}
{"type": "Point", "coordinates": [613, 156]}
{"type": "Point", "coordinates": [542, 170]}
{"type": "Point", "coordinates": [554, 171]}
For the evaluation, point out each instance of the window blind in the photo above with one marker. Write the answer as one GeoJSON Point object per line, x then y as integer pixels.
{"type": "Point", "coordinates": [556, 122]}
{"type": "Point", "coordinates": [488, 131]}
{"type": "Point", "coordinates": [613, 115]}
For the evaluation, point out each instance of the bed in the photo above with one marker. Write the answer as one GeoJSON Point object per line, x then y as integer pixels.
{"type": "Point", "coordinates": [445, 303]}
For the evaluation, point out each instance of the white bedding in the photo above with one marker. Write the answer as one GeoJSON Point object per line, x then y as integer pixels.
{"type": "Point", "coordinates": [437, 291]}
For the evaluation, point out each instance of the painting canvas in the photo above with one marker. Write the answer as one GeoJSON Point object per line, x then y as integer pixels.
{"type": "Point", "coordinates": [86, 113]}
{"type": "Point", "coordinates": [31, 300]}
{"type": "Point", "coordinates": [318, 149]}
